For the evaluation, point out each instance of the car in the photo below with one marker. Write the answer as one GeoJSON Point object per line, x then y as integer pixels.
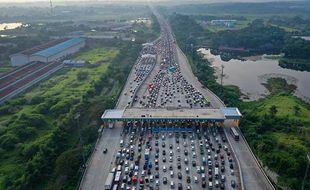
{"type": "Point", "coordinates": [179, 165]}
{"type": "Point", "coordinates": [185, 152]}
{"type": "Point", "coordinates": [186, 161]}
{"type": "Point", "coordinates": [188, 187]}
{"type": "Point", "coordinates": [156, 175]}
{"type": "Point", "coordinates": [187, 170]}
{"type": "Point", "coordinates": [195, 179]}
{"type": "Point", "coordinates": [170, 167]}
{"type": "Point", "coordinates": [165, 181]}
{"type": "Point", "coordinates": [233, 183]}
{"type": "Point", "coordinates": [164, 168]}
{"type": "Point", "coordinates": [172, 185]}
{"type": "Point", "coordinates": [179, 175]}
{"type": "Point", "coordinates": [179, 158]}
{"type": "Point", "coordinates": [157, 183]}
{"type": "Point", "coordinates": [231, 166]}
{"type": "Point", "coordinates": [170, 146]}
{"type": "Point", "coordinates": [188, 179]}
{"type": "Point", "coordinates": [164, 152]}
{"type": "Point", "coordinates": [105, 151]}
{"type": "Point", "coordinates": [223, 178]}
{"type": "Point", "coordinates": [194, 163]}
{"type": "Point", "coordinates": [203, 184]}
{"type": "Point", "coordinates": [232, 172]}
{"type": "Point", "coordinates": [222, 186]}
{"type": "Point", "coordinates": [171, 174]}
{"type": "Point", "coordinates": [180, 186]}
{"type": "Point", "coordinates": [171, 153]}
{"type": "Point", "coordinates": [164, 159]}
{"type": "Point", "coordinates": [163, 145]}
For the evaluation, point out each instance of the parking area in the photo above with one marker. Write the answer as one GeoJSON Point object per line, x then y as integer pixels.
{"type": "Point", "coordinates": [166, 156]}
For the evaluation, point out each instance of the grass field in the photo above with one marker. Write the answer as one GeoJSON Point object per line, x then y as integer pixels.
{"type": "Point", "coordinates": [97, 55]}
{"type": "Point", "coordinates": [61, 88]}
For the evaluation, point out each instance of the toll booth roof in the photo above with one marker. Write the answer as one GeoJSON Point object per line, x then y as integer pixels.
{"type": "Point", "coordinates": [231, 113]}
{"type": "Point", "coordinates": [164, 113]}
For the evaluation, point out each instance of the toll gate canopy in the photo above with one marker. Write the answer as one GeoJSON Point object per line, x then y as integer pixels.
{"type": "Point", "coordinates": [161, 114]}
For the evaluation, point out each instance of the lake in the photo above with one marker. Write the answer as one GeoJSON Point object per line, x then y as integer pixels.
{"type": "Point", "coordinates": [8, 26]}
{"type": "Point", "coordinates": [249, 75]}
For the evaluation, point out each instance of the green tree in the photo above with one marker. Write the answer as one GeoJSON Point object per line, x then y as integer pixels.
{"type": "Point", "coordinates": [273, 110]}
{"type": "Point", "coordinates": [296, 109]}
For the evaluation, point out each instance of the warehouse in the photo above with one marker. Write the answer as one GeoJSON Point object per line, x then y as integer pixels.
{"type": "Point", "coordinates": [49, 52]}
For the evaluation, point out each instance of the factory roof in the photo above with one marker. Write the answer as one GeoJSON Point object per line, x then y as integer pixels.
{"type": "Point", "coordinates": [41, 47]}
{"type": "Point", "coordinates": [59, 47]}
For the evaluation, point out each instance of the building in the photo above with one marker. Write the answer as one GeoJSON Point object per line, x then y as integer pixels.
{"type": "Point", "coordinates": [224, 23]}
{"type": "Point", "coordinates": [74, 63]}
{"type": "Point", "coordinates": [52, 51]}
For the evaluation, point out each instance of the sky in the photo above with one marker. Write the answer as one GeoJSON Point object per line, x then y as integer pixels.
{"type": "Point", "coordinates": [24, 1]}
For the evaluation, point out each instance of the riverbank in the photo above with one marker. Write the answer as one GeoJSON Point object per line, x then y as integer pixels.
{"type": "Point", "coordinates": [249, 75]}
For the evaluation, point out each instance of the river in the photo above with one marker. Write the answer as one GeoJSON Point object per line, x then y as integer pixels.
{"type": "Point", "coordinates": [249, 75]}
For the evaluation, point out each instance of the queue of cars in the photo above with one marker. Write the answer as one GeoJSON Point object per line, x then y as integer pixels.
{"type": "Point", "coordinates": [200, 159]}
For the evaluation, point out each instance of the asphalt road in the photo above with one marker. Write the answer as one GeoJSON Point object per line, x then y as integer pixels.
{"type": "Point", "coordinates": [100, 164]}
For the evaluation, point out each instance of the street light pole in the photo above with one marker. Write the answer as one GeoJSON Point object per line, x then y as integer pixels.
{"type": "Point", "coordinates": [306, 172]}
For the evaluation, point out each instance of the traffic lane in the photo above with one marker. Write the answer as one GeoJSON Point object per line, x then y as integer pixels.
{"type": "Point", "coordinates": [253, 178]}
{"type": "Point", "coordinates": [100, 164]}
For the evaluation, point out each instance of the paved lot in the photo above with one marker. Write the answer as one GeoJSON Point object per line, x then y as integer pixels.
{"type": "Point", "coordinates": [191, 143]}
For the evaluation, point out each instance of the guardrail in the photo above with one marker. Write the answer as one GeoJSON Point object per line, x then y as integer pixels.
{"type": "Point", "coordinates": [256, 160]}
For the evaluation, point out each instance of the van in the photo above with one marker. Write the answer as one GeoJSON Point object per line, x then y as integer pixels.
{"type": "Point", "coordinates": [121, 143]}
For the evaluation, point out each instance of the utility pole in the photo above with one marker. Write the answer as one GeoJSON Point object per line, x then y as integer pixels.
{"type": "Point", "coordinates": [51, 6]}
{"type": "Point", "coordinates": [222, 75]}
{"type": "Point", "coordinates": [306, 172]}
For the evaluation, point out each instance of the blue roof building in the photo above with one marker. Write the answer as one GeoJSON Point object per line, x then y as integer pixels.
{"type": "Point", "coordinates": [60, 47]}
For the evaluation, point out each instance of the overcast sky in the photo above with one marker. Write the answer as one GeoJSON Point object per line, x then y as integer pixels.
{"type": "Point", "coordinates": [24, 1]}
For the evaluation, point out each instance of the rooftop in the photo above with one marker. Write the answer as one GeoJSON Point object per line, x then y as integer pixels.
{"type": "Point", "coordinates": [171, 114]}
{"type": "Point", "coordinates": [42, 46]}
{"type": "Point", "coordinates": [59, 47]}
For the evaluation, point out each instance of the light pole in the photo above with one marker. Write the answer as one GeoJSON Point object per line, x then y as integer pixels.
{"type": "Point", "coordinates": [306, 172]}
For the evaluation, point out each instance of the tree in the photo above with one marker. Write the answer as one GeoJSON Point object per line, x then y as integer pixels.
{"type": "Point", "coordinates": [296, 109]}
{"type": "Point", "coordinates": [273, 110]}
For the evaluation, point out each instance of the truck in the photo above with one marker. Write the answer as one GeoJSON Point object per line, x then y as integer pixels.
{"type": "Point", "coordinates": [109, 182]}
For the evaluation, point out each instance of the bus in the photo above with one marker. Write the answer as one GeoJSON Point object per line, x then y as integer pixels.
{"type": "Point", "coordinates": [234, 133]}
{"type": "Point", "coordinates": [109, 182]}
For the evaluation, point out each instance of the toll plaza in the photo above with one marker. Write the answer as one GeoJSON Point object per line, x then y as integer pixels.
{"type": "Point", "coordinates": [217, 116]}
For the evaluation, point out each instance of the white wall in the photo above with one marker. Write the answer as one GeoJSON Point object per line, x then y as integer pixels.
{"type": "Point", "coordinates": [19, 60]}
{"type": "Point", "coordinates": [38, 58]}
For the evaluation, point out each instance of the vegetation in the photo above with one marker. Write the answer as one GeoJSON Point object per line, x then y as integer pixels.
{"type": "Point", "coordinates": [39, 137]}
{"type": "Point", "coordinates": [186, 35]}
{"type": "Point", "coordinates": [277, 127]}
{"type": "Point", "coordinates": [97, 55]}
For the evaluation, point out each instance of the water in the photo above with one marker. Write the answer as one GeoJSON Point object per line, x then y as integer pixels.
{"type": "Point", "coordinates": [8, 26]}
{"type": "Point", "coordinates": [249, 75]}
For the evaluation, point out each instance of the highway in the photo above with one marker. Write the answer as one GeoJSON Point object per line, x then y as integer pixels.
{"type": "Point", "coordinates": [162, 77]}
